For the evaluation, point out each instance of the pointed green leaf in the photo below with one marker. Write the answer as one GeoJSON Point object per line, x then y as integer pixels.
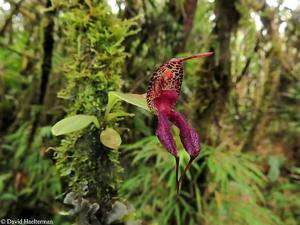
{"type": "Point", "coordinates": [73, 123]}
{"type": "Point", "coordinates": [134, 99]}
{"type": "Point", "coordinates": [110, 138]}
{"type": "Point", "coordinates": [112, 100]}
{"type": "Point", "coordinates": [111, 116]}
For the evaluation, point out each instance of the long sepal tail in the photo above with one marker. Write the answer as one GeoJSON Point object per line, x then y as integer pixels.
{"type": "Point", "coordinates": [196, 56]}
{"type": "Point", "coordinates": [185, 170]}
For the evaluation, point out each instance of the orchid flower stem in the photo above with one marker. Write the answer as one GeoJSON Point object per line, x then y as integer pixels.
{"type": "Point", "coordinates": [177, 168]}
{"type": "Point", "coordinates": [185, 170]}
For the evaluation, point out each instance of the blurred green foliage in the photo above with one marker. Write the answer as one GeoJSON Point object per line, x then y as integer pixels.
{"type": "Point", "coordinates": [248, 169]}
{"type": "Point", "coordinates": [234, 193]}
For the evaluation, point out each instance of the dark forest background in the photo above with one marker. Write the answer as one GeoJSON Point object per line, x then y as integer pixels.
{"type": "Point", "coordinates": [60, 58]}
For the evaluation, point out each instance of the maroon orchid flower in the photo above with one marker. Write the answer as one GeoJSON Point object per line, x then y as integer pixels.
{"type": "Point", "coordinates": [162, 95]}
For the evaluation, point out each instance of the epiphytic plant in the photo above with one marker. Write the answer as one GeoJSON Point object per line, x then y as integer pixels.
{"type": "Point", "coordinates": [161, 97]}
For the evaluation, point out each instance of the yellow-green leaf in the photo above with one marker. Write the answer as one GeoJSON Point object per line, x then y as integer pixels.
{"type": "Point", "coordinates": [134, 99]}
{"type": "Point", "coordinates": [73, 123]}
{"type": "Point", "coordinates": [110, 138]}
{"type": "Point", "coordinates": [111, 116]}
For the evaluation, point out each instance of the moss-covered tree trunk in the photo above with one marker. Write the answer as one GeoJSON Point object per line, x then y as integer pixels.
{"type": "Point", "coordinates": [273, 68]}
{"type": "Point", "coordinates": [93, 38]}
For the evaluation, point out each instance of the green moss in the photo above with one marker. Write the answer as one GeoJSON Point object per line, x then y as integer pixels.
{"type": "Point", "coordinates": [94, 42]}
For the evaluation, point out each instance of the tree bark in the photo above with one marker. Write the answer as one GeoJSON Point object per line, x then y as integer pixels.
{"type": "Point", "coordinates": [190, 7]}
{"type": "Point", "coordinates": [46, 69]}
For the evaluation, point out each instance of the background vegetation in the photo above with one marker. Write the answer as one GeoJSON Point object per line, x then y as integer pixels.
{"type": "Point", "coordinates": [60, 58]}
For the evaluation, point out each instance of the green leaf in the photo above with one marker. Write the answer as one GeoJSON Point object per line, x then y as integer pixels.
{"type": "Point", "coordinates": [73, 123]}
{"type": "Point", "coordinates": [3, 178]}
{"type": "Point", "coordinates": [110, 138]}
{"type": "Point", "coordinates": [177, 215]}
{"type": "Point", "coordinates": [111, 116]}
{"type": "Point", "coordinates": [198, 200]}
{"type": "Point", "coordinates": [8, 197]}
{"type": "Point", "coordinates": [134, 99]}
{"type": "Point", "coordinates": [25, 191]}
{"type": "Point", "coordinates": [274, 170]}
{"type": "Point", "coordinates": [112, 100]}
